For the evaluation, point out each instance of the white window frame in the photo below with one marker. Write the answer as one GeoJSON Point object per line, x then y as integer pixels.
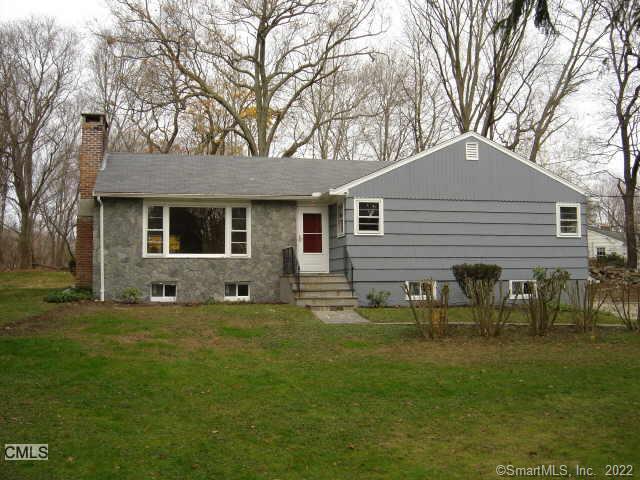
{"type": "Point", "coordinates": [166, 229]}
{"type": "Point", "coordinates": [604, 252]}
{"type": "Point", "coordinates": [163, 298]}
{"type": "Point", "coordinates": [578, 233]}
{"type": "Point", "coordinates": [236, 298]}
{"type": "Point", "coordinates": [356, 216]}
{"type": "Point", "coordinates": [341, 225]}
{"type": "Point", "coordinates": [524, 296]}
{"type": "Point", "coordinates": [422, 296]}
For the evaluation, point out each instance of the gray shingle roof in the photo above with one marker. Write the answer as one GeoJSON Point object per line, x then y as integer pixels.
{"type": "Point", "coordinates": [150, 174]}
{"type": "Point", "coordinates": [608, 233]}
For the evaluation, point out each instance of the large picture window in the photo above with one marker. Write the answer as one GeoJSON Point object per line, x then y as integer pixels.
{"type": "Point", "coordinates": [196, 231]}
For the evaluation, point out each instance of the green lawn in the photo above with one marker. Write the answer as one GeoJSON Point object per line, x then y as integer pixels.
{"type": "Point", "coordinates": [268, 392]}
{"type": "Point", "coordinates": [463, 314]}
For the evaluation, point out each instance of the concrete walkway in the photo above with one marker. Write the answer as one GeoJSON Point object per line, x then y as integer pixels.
{"type": "Point", "coordinates": [339, 317]}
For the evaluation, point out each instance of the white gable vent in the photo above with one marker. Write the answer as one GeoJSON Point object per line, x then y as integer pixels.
{"type": "Point", "coordinates": [471, 150]}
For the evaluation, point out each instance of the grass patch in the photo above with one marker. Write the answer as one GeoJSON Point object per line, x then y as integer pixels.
{"type": "Point", "coordinates": [22, 293]}
{"type": "Point", "coordinates": [463, 314]}
{"type": "Point", "coordinates": [268, 391]}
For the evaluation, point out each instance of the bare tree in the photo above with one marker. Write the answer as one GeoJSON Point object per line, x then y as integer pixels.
{"type": "Point", "coordinates": [622, 58]}
{"type": "Point", "coordinates": [268, 54]}
{"type": "Point", "coordinates": [38, 73]}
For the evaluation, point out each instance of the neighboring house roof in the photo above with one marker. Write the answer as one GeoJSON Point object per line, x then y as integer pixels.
{"type": "Point", "coordinates": [207, 175]}
{"type": "Point", "coordinates": [127, 174]}
{"type": "Point", "coordinates": [608, 233]}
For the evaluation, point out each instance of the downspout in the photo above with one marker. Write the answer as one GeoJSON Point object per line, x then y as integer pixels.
{"type": "Point", "coordinates": [101, 249]}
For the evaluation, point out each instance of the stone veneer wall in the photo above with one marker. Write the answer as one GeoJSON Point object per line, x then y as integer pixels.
{"type": "Point", "coordinates": [273, 227]}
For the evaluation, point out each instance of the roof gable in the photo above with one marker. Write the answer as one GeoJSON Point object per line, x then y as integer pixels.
{"type": "Point", "coordinates": [342, 189]}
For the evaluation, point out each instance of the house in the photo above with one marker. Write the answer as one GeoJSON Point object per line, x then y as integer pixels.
{"type": "Point", "coordinates": [193, 228]}
{"type": "Point", "coordinates": [605, 242]}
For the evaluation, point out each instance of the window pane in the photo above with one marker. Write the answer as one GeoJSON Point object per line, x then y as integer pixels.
{"type": "Point", "coordinates": [239, 237]}
{"type": "Point", "coordinates": [197, 230]}
{"type": "Point", "coordinates": [368, 224]}
{"type": "Point", "coordinates": [154, 242]}
{"type": "Point", "coordinates": [156, 290]}
{"type": "Point", "coordinates": [368, 209]}
{"type": "Point", "coordinates": [312, 242]}
{"type": "Point", "coordinates": [154, 218]}
{"type": "Point", "coordinates": [243, 290]}
{"type": "Point", "coordinates": [229, 289]}
{"type": "Point", "coordinates": [169, 290]}
{"type": "Point", "coordinates": [238, 224]}
{"type": "Point", "coordinates": [239, 212]}
{"type": "Point", "coordinates": [568, 213]}
{"type": "Point", "coordinates": [239, 248]}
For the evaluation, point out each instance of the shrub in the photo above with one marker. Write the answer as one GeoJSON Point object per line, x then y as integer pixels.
{"type": "Point", "coordinates": [586, 299]}
{"type": "Point", "coordinates": [612, 260]}
{"type": "Point", "coordinates": [69, 295]}
{"type": "Point", "coordinates": [477, 271]}
{"type": "Point", "coordinates": [625, 298]}
{"type": "Point", "coordinates": [543, 304]}
{"type": "Point", "coordinates": [431, 315]}
{"type": "Point", "coordinates": [378, 299]}
{"type": "Point", "coordinates": [131, 295]}
{"type": "Point", "coordinates": [489, 312]}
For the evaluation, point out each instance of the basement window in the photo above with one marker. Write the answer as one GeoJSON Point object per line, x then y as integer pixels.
{"type": "Point", "coordinates": [236, 292]}
{"type": "Point", "coordinates": [568, 220]}
{"type": "Point", "coordinates": [418, 290]}
{"type": "Point", "coordinates": [521, 289]}
{"type": "Point", "coordinates": [471, 151]}
{"type": "Point", "coordinates": [163, 292]}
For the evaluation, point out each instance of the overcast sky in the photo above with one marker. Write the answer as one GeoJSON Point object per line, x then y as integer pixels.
{"type": "Point", "coordinates": [81, 13]}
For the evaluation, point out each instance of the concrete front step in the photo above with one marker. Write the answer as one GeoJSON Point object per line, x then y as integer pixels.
{"type": "Point", "coordinates": [327, 302]}
{"type": "Point", "coordinates": [322, 287]}
{"type": "Point", "coordinates": [306, 293]}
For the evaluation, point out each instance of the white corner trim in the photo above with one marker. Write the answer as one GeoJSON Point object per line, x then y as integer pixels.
{"type": "Point", "coordinates": [356, 216]}
{"type": "Point", "coordinates": [342, 189]}
{"type": "Point", "coordinates": [578, 207]}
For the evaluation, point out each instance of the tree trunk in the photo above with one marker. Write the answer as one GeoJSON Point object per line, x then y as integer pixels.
{"type": "Point", "coordinates": [25, 242]}
{"type": "Point", "coordinates": [630, 229]}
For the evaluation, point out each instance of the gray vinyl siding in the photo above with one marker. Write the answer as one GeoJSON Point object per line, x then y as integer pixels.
{"type": "Point", "coordinates": [336, 244]}
{"type": "Point", "coordinates": [443, 210]}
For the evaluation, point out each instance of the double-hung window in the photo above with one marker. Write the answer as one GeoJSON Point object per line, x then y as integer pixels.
{"type": "Point", "coordinates": [177, 230]}
{"type": "Point", "coordinates": [340, 219]}
{"type": "Point", "coordinates": [568, 220]}
{"type": "Point", "coordinates": [368, 216]}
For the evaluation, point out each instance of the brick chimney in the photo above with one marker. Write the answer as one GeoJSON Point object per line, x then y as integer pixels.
{"type": "Point", "coordinates": [92, 150]}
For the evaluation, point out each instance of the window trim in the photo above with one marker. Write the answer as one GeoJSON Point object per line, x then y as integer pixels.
{"type": "Point", "coordinates": [524, 296]}
{"type": "Point", "coordinates": [434, 293]}
{"type": "Point", "coordinates": [578, 233]}
{"type": "Point", "coordinates": [166, 227]}
{"type": "Point", "coordinates": [341, 207]}
{"type": "Point", "coordinates": [237, 298]}
{"type": "Point", "coordinates": [356, 216]}
{"type": "Point", "coordinates": [604, 252]}
{"type": "Point", "coordinates": [164, 298]}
